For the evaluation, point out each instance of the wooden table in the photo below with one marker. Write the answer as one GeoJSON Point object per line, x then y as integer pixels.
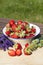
{"type": "Point", "coordinates": [35, 59]}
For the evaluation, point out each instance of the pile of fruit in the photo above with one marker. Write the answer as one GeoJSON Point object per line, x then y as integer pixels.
{"type": "Point", "coordinates": [28, 48]}
{"type": "Point", "coordinates": [19, 29]}
{"type": "Point", "coordinates": [33, 46]}
{"type": "Point", "coordinates": [16, 49]}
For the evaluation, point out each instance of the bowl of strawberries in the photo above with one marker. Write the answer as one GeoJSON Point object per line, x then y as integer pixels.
{"type": "Point", "coordinates": [20, 31]}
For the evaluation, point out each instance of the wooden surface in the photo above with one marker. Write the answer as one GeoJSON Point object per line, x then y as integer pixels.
{"type": "Point", "coordinates": [35, 59]}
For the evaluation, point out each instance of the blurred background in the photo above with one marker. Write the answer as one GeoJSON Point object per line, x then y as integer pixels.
{"type": "Point", "coordinates": [27, 10]}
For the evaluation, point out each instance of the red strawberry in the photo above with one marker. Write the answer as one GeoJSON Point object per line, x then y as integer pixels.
{"type": "Point", "coordinates": [7, 32]}
{"type": "Point", "coordinates": [19, 22]}
{"type": "Point", "coordinates": [17, 46]}
{"type": "Point", "coordinates": [27, 31]}
{"type": "Point", "coordinates": [19, 31]}
{"type": "Point", "coordinates": [22, 27]}
{"type": "Point", "coordinates": [33, 30]}
{"type": "Point", "coordinates": [27, 51]}
{"type": "Point", "coordinates": [31, 35]}
{"type": "Point", "coordinates": [18, 52]}
{"type": "Point", "coordinates": [14, 36]}
{"type": "Point", "coordinates": [27, 36]}
{"type": "Point", "coordinates": [26, 45]}
{"type": "Point", "coordinates": [11, 52]}
{"type": "Point", "coordinates": [25, 23]}
{"type": "Point", "coordinates": [11, 22]}
{"type": "Point", "coordinates": [14, 27]}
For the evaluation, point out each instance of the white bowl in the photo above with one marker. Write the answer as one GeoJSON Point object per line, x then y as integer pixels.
{"type": "Point", "coordinates": [23, 41]}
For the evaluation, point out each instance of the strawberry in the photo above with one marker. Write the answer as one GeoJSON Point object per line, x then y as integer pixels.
{"type": "Point", "coordinates": [22, 27]}
{"type": "Point", "coordinates": [18, 52]}
{"type": "Point", "coordinates": [27, 37]}
{"type": "Point", "coordinates": [7, 32]}
{"type": "Point", "coordinates": [19, 31]}
{"type": "Point", "coordinates": [25, 23]}
{"type": "Point", "coordinates": [11, 52]}
{"type": "Point", "coordinates": [31, 35]}
{"type": "Point", "coordinates": [27, 31]}
{"type": "Point", "coordinates": [11, 22]}
{"type": "Point", "coordinates": [14, 27]}
{"type": "Point", "coordinates": [27, 51]}
{"type": "Point", "coordinates": [19, 22]}
{"type": "Point", "coordinates": [26, 45]}
{"type": "Point", "coordinates": [33, 30]}
{"type": "Point", "coordinates": [14, 36]}
{"type": "Point", "coordinates": [17, 46]}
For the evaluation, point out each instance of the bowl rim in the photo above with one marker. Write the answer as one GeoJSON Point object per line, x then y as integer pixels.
{"type": "Point", "coordinates": [23, 38]}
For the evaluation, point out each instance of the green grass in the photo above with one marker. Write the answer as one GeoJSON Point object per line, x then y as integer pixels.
{"type": "Point", "coordinates": [27, 10]}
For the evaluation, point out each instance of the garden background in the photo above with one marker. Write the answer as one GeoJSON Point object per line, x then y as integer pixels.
{"type": "Point", "coordinates": [27, 10]}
